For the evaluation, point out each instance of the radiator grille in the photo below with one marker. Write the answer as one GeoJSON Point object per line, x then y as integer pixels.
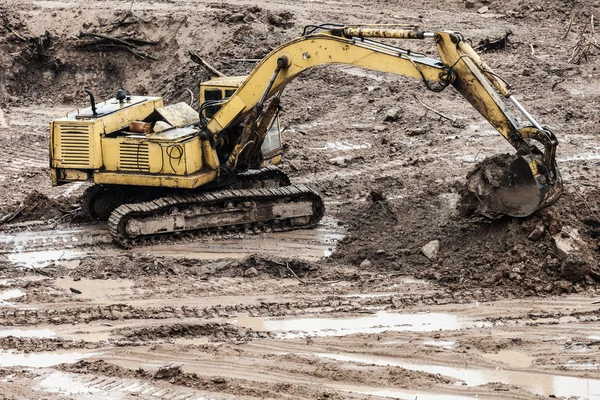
{"type": "Point", "coordinates": [75, 145]}
{"type": "Point", "coordinates": [134, 157]}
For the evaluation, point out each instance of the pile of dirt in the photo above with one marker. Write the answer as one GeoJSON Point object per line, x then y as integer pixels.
{"type": "Point", "coordinates": [556, 250]}
{"type": "Point", "coordinates": [139, 265]}
{"type": "Point", "coordinates": [37, 207]}
{"type": "Point", "coordinates": [217, 332]}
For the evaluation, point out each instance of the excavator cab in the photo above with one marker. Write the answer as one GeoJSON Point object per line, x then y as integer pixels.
{"type": "Point", "coordinates": [216, 91]}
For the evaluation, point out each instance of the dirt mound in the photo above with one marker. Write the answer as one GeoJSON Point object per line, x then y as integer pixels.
{"type": "Point", "coordinates": [35, 207]}
{"type": "Point", "coordinates": [556, 250]}
{"type": "Point", "coordinates": [217, 332]}
{"type": "Point", "coordinates": [139, 265]}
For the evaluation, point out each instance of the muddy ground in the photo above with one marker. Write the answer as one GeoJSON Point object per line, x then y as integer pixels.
{"type": "Point", "coordinates": [351, 309]}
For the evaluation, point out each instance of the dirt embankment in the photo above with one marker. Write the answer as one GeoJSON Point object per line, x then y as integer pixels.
{"type": "Point", "coordinates": [554, 251]}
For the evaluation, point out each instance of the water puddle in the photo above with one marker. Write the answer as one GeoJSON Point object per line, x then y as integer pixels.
{"type": "Point", "coordinates": [511, 358]}
{"type": "Point", "coordinates": [111, 388]}
{"type": "Point", "coordinates": [40, 259]}
{"type": "Point", "coordinates": [399, 393]}
{"type": "Point", "coordinates": [27, 333]}
{"type": "Point", "coordinates": [39, 360]}
{"type": "Point", "coordinates": [537, 383]}
{"type": "Point", "coordinates": [343, 146]}
{"type": "Point", "coordinates": [98, 289]}
{"type": "Point", "coordinates": [10, 294]}
{"type": "Point", "coordinates": [446, 344]}
{"type": "Point", "coordinates": [372, 323]}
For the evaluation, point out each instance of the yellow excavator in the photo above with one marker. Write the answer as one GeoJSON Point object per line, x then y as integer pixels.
{"type": "Point", "coordinates": [167, 170]}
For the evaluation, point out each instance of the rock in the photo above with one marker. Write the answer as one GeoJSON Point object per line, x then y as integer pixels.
{"type": "Point", "coordinates": [568, 241]}
{"type": "Point", "coordinates": [537, 233]}
{"type": "Point", "coordinates": [366, 263]}
{"type": "Point", "coordinates": [393, 114]}
{"type": "Point", "coordinates": [249, 18]}
{"type": "Point", "coordinates": [431, 249]}
{"type": "Point", "coordinates": [251, 273]}
{"type": "Point", "coordinates": [575, 268]}
{"type": "Point", "coordinates": [237, 17]}
{"type": "Point", "coordinates": [418, 131]}
{"type": "Point", "coordinates": [483, 10]}
{"type": "Point", "coordinates": [469, 4]}
{"type": "Point", "coordinates": [76, 291]}
{"type": "Point", "coordinates": [168, 371]}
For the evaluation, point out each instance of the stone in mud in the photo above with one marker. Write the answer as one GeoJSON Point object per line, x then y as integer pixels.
{"type": "Point", "coordinates": [251, 273]}
{"type": "Point", "coordinates": [168, 371]}
{"type": "Point", "coordinates": [366, 263]}
{"type": "Point", "coordinates": [431, 250]}
{"type": "Point", "coordinates": [393, 114]}
{"type": "Point", "coordinates": [237, 17]}
{"type": "Point", "coordinates": [537, 233]}
{"type": "Point", "coordinates": [568, 241]}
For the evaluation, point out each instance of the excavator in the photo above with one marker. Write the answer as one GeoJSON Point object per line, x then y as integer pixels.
{"type": "Point", "coordinates": [169, 170]}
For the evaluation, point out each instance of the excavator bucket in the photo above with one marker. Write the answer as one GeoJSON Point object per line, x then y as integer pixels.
{"type": "Point", "coordinates": [506, 185]}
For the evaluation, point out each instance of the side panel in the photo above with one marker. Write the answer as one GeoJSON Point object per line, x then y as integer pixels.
{"type": "Point", "coordinates": [140, 155]}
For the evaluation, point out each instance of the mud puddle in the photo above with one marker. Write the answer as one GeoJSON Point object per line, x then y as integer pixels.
{"type": "Point", "coordinates": [39, 360]}
{"type": "Point", "coordinates": [8, 295]}
{"type": "Point", "coordinates": [40, 259]}
{"type": "Point", "coordinates": [98, 289]}
{"type": "Point", "coordinates": [371, 323]}
{"type": "Point", "coordinates": [399, 394]}
{"type": "Point", "coordinates": [511, 358]}
{"type": "Point", "coordinates": [538, 383]}
{"type": "Point", "coordinates": [94, 387]}
{"type": "Point", "coordinates": [28, 333]}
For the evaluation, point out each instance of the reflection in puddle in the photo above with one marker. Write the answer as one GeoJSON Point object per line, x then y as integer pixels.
{"type": "Point", "coordinates": [446, 344]}
{"type": "Point", "coordinates": [512, 358]}
{"type": "Point", "coordinates": [41, 258]}
{"type": "Point", "coordinates": [39, 360]}
{"type": "Point", "coordinates": [399, 394]}
{"type": "Point", "coordinates": [27, 333]}
{"type": "Point", "coordinates": [537, 383]}
{"type": "Point", "coordinates": [374, 323]}
{"type": "Point", "coordinates": [10, 294]}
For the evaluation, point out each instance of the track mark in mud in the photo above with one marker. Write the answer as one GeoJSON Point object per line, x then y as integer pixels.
{"type": "Point", "coordinates": [377, 322]}
{"type": "Point", "coordinates": [213, 331]}
{"type": "Point", "coordinates": [536, 383]}
{"type": "Point", "coordinates": [110, 388]}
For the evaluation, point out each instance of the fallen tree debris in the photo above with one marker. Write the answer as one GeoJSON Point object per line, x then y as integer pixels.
{"type": "Point", "coordinates": [102, 43]}
{"type": "Point", "coordinates": [199, 60]}
{"type": "Point", "coordinates": [587, 41]}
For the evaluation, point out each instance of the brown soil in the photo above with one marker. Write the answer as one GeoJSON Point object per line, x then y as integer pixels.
{"type": "Point", "coordinates": [321, 304]}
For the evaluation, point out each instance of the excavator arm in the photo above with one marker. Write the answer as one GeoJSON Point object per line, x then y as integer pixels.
{"type": "Point", "coordinates": [532, 176]}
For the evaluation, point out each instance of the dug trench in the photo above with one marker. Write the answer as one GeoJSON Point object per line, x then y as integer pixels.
{"type": "Point", "coordinates": [397, 294]}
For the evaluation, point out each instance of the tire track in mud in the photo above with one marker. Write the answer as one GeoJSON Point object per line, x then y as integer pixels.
{"type": "Point", "coordinates": [39, 247]}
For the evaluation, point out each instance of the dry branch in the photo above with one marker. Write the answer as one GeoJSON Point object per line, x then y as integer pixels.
{"type": "Point", "coordinates": [199, 60]}
{"type": "Point", "coordinates": [110, 43]}
{"type": "Point", "coordinates": [584, 45]}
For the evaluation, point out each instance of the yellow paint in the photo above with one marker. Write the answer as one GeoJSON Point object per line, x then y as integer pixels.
{"type": "Point", "coordinates": [181, 157]}
{"type": "Point", "coordinates": [138, 179]}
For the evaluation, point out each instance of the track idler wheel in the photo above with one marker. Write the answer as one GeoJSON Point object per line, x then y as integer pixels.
{"type": "Point", "coordinates": [509, 185]}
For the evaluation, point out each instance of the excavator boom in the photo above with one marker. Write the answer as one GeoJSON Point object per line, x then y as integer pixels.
{"type": "Point", "coordinates": [532, 174]}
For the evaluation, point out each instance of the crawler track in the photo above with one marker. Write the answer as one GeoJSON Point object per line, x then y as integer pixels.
{"type": "Point", "coordinates": [247, 210]}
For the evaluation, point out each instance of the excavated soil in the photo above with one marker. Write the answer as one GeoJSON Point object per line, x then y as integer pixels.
{"type": "Point", "coordinates": [400, 292]}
